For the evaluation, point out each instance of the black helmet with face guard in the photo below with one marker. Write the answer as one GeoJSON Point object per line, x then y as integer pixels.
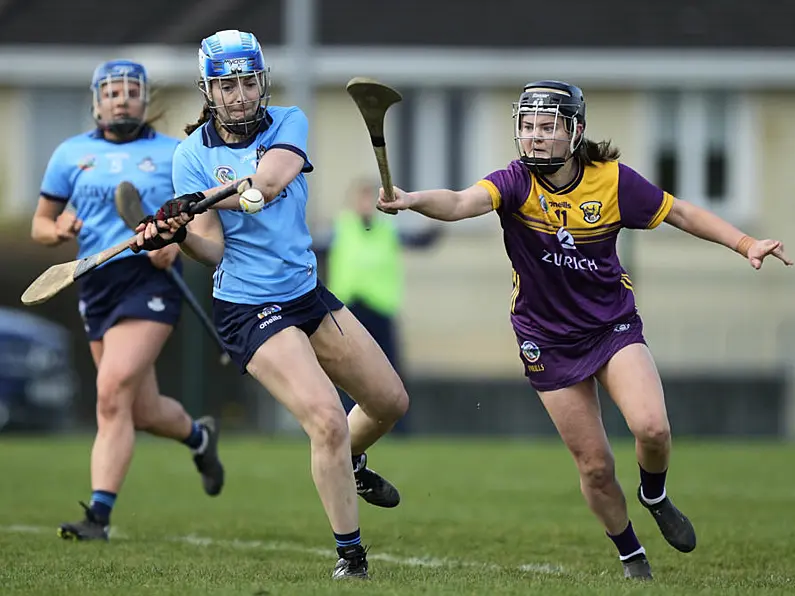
{"type": "Point", "coordinates": [566, 103]}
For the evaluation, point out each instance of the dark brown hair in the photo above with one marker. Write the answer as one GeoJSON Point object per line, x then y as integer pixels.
{"type": "Point", "coordinates": [203, 117]}
{"type": "Point", "coordinates": [590, 152]}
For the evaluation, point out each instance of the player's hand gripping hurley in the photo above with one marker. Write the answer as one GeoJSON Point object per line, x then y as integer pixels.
{"type": "Point", "coordinates": [59, 277]}
{"type": "Point", "coordinates": [373, 100]}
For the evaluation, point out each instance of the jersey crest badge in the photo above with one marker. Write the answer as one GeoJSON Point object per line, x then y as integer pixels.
{"type": "Point", "coordinates": [147, 165]}
{"type": "Point", "coordinates": [591, 211]}
{"type": "Point", "coordinates": [224, 174]}
{"type": "Point", "coordinates": [87, 162]}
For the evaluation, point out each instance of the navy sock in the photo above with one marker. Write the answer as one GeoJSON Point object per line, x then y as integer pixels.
{"type": "Point", "coordinates": [196, 437]}
{"type": "Point", "coordinates": [652, 484]}
{"type": "Point", "coordinates": [101, 504]}
{"type": "Point", "coordinates": [351, 539]}
{"type": "Point", "coordinates": [627, 543]}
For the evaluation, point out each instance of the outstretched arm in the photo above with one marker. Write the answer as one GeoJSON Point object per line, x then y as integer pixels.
{"type": "Point", "coordinates": [441, 204]}
{"type": "Point", "coordinates": [704, 224]}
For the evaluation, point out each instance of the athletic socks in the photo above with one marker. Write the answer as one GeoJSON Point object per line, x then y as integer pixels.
{"type": "Point", "coordinates": [652, 486]}
{"type": "Point", "coordinates": [627, 543]}
{"type": "Point", "coordinates": [345, 540]}
{"type": "Point", "coordinates": [197, 439]}
{"type": "Point", "coordinates": [101, 505]}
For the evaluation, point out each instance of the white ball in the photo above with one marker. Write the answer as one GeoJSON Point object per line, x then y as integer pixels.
{"type": "Point", "coordinates": [251, 201]}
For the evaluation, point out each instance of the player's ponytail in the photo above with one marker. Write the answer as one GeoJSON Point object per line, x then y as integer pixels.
{"type": "Point", "coordinates": [156, 109]}
{"type": "Point", "coordinates": [590, 152]}
{"type": "Point", "coordinates": [204, 117]}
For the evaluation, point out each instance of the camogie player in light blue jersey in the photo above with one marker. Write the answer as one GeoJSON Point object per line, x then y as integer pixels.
{"type": "Point", "coordinates": [278, 321]}
{"type": "Point", "coordinates": [129, 306]}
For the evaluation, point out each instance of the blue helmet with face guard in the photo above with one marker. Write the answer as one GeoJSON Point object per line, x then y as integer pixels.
{"type": "Point", "coordinates": [234, 59]}
{"type": "Point", "coordinates": [130, 74]}
{"type": "Point", "coordinates": [566, 103]}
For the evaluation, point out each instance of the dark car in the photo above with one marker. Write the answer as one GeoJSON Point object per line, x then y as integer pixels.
{"type": "Point", "coordinates": [37, 378]}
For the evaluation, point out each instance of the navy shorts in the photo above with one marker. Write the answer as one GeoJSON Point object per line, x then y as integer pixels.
{"type": "Point", "coordinates": [551, 365]}
{"type": "Point", "coordinates": [245, 327]}
{"type": "Point", "coordinates": [129, 288]}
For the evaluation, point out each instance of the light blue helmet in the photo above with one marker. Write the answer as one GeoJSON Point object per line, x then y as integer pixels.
{"type": "Point", "coordinates": [234, 56]}
{"type": "Point", "coordinates": [127, 72]}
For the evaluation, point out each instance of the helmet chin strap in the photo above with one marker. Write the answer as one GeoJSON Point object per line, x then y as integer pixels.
{"type": "Point", "coordinates": [546, 167]}
{"type": "Point", "coordinates": [241, 129]}
{"type": "Point", "coordinates": [245, 128]}
{"type": "Point", "coordinates": [125, 127]}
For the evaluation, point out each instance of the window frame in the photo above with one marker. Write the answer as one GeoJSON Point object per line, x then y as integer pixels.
{"type": "Point", "coordinates": [739, 204]}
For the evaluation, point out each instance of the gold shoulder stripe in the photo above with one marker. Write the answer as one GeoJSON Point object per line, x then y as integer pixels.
{"type": "Point", "coordinates": [662, 212]}
{"type": "Point", "coordinates": [494, 192]}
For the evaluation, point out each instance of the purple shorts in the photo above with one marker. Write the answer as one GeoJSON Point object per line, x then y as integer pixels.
{"type": "Point", "coordinates": [551, 365]}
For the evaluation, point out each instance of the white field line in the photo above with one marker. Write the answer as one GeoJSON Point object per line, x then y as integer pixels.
{"type": "Point", "coordinates": [326, 553]}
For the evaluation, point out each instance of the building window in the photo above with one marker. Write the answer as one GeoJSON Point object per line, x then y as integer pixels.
{"type": "Point", "coordinates": [703, 149]}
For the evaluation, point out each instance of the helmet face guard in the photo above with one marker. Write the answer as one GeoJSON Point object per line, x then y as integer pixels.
{"type": "Point", "coordinates": [565, 105]}
{"type": "Point", "coordinates": [232, 60]}
{"type": "Point", "coordinates": [126, 72]}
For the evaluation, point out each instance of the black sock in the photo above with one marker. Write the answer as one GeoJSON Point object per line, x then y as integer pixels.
{"type": "Point", "coordinates": [101, 504]}
{"type": "Point", "coordinates": [652, 484]}
{"type": "Point", "coordinates": [627, 543]}
{"type": "Point", "coordinates": [347, 540]}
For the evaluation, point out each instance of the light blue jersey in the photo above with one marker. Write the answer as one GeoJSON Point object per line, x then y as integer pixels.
{"type": "Point", "coordinates": [85, 170]}
{"type": "Point", "coordinates": [266, 256]}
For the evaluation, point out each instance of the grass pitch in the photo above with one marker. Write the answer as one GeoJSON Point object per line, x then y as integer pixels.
{"type": "Point", "coordinates": [477, 517]}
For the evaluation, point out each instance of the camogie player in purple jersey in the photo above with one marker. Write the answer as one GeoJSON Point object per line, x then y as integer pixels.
{"type": "Point", "coordinates": [561, 206]}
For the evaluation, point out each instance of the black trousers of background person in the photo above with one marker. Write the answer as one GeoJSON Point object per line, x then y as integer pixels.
{"type": "Point", "coordinates": [383, 330]}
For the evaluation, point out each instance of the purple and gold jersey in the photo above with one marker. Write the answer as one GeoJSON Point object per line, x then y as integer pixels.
{"type": "Point", "coordinates": [567, 280]}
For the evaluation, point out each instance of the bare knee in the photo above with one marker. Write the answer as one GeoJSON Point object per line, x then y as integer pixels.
{"type": "Point", "coordinates": [114, 397]}
{"type": "Point", "coordinates": [597, 471]}
{"type": "Point", "coordinates": [654, 435]}
{"type": "Point", "coordinates": [327, 428]}
{"type": "Point", "coordinates": [397, 403]}
{"type": "Point", "coordinates": [390, 405]}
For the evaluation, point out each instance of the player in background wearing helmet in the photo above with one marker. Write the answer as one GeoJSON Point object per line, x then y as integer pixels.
{"type": "Point", "coordinates": [561, 206]}
{"type": "Point", "coordinates": [278, 321]}
{"type": "Point", "coordinates": [128, 305]}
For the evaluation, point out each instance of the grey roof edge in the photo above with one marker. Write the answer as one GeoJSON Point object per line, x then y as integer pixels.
{"type": "Point", "coordinates": [31, 65]}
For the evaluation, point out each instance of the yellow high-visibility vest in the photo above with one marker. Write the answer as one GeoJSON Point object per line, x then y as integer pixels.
{"type": "Point", "coordinates": [365, 265]}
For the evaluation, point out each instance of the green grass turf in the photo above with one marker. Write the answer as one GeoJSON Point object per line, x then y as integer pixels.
{"type": "Point", "coordinates": [478, 517]}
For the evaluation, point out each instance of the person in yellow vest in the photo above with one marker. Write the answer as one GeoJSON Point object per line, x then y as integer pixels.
{"type": "Point", "coordinates": [364, 267]}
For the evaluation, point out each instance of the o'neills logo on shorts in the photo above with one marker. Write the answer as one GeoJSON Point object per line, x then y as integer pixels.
{"type": "Point", "coordinates": [269, 315]}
